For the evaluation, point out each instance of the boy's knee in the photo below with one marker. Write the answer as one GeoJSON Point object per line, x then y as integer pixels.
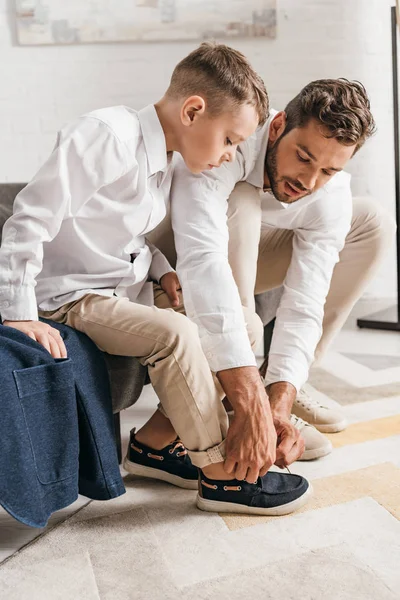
{"type": "Point", "coordinates": [179, 327]}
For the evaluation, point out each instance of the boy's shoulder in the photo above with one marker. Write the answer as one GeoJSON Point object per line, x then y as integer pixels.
{"type": "Point", "coordinates": [122, 120]}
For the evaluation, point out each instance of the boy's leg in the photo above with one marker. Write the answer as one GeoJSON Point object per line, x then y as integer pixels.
{"type": "Point", "coordinates": [169, 345]}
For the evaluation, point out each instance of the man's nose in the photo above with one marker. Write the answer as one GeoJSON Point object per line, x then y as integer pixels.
{"type": "Point", "coordinates": [309, 179]}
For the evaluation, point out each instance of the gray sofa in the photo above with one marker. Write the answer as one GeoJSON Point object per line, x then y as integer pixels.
{"type": "Point", "coordinates": [127, 375]}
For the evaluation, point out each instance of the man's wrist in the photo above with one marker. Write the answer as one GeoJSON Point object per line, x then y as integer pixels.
{"type": "Point", "coordinates": [243, 387]}
{"type": "Point", "coordinates": [282, 395]}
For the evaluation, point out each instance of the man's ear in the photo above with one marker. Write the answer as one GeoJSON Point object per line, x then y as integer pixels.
{"type": "Point", "coordinates": [192, 109]}
{"type": "Point", "coordinates": [277, 126]}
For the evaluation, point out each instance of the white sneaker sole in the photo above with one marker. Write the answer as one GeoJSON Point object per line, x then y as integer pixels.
{"type": "Point", "coordinates": [315, 453]}
{"type": "Point", "coordinates": [150, 473]}
{"type": "Point", "coordinates": [230, 507]}
{"type": "Point", "coordinates": [331, 427]}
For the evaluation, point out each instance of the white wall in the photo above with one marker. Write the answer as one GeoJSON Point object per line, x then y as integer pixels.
{"type": "Point", "coordinates": [42, 87]}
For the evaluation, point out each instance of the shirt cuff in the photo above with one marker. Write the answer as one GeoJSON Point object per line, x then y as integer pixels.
{"type": "Point", "coordinates": [228, 351]}
{"type": "Point", "coordinates": [297, 377]}
{"type": "Point", "coordinates": [159, 267]}
{"type": "Point", "coordinates": [23, 309]}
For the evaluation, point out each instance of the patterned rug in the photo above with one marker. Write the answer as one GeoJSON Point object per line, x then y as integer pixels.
{"type": "Point", "coordinates": [153, 544]}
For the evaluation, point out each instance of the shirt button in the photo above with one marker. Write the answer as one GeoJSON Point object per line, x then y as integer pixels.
{"type": "Point", "coordinates": [5, 304]}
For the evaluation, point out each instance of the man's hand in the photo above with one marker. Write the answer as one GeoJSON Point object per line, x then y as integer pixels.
{"type": "Point", "coordinates": [47, 336]}
{"type": "Point", "coordinates": [251, 438]}
{"type": "Point", "coordinates": [290, 445]}
{"type": "Point", "coordinates": [171, 286]}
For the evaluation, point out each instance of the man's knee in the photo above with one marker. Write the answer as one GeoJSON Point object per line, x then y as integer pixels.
{"type": "Point", "coordinates": [244, 198]}
{"type": "Point", "coordinates": [374, 220]}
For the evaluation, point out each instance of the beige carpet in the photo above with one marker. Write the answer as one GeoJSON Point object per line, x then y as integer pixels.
{"type": "Point", "coordinates": [153, 543]}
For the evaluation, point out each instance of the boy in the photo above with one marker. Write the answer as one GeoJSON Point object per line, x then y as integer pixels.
{"type": "Point", "coordinates": [105, 187]}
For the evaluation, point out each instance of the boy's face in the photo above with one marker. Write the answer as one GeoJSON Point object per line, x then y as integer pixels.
{"type": "Point", "coordinates": [210, 141]}
{"type": "Point", "coordinates": [302, 161]}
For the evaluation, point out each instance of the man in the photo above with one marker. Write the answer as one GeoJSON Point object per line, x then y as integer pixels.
{"type": "Point", "coordinates": [290, 220]}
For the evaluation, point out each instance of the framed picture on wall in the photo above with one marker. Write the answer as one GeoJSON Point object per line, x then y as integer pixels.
{"type": "Point", "coordinates": [78, 22]}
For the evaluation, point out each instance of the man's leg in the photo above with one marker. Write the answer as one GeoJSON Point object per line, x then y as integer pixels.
{"type": "Point", "coordinates": [371, 234]}
{"type": "Point", "coordinates": [252, 255]}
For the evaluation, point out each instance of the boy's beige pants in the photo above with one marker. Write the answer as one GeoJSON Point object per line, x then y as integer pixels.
{"type": "Point", "coordinates": [168, 343]}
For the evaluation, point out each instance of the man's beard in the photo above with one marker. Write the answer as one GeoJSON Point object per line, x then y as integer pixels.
{"type": "Point", "coordinates": [271, 168]}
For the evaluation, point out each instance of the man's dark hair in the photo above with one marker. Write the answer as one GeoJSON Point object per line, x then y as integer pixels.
{"type": "Point", "coordinates": [340, 105]}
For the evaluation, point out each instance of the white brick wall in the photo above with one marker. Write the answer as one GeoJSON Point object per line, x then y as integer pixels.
{"type": "Point", "coordinates": [42, 87]}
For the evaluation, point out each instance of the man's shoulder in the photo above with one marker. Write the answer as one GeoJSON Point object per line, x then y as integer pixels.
{"type": "Point", "coordinates": [121, 120]}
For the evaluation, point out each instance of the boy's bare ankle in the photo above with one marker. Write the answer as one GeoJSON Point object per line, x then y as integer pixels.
{"type": "Point", "coordinates": [216, 471]}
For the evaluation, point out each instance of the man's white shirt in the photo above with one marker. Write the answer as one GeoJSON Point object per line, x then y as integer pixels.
{"type": "Point", "coordinates": [320, 223]}
{"type": "Point", "coordinates": [80, 225]}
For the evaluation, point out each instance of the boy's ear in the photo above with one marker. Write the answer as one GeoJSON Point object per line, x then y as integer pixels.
{"type": "Point", "coordinates": [277, 126]}
{"type": "Point", "coordinates": [192, 108]}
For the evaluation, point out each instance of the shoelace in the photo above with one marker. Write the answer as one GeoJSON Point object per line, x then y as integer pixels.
{"type": "Point", "coordinates": [178, 444]}
{"type": "Point", "coordinates": [297, 422]}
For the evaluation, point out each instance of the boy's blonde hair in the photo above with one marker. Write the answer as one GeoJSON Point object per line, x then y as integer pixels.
{"type": "Point", "coordinates": [222, 76]}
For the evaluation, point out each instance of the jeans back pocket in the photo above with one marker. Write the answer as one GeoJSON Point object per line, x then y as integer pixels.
{"type": "Point", "coordinates": [48, 401]}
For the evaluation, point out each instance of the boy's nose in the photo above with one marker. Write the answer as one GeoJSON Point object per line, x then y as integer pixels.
{"type": "Point", "coordinates": [229, 156]}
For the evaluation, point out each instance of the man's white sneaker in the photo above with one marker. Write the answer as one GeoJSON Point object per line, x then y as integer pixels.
{"type": "Point", "coordinates": [316, 444]}
{"type": "Point", "coordinates": [327, 420]}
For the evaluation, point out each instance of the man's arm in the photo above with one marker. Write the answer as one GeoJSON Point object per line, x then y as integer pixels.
{"type": "Point", "coordinates": [298, 324]}
{"type": "Point", "coordinates": [212, 301]}
{"type": "Point", "coordinates": [71, 175]}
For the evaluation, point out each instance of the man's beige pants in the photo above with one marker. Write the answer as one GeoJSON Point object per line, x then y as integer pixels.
{"type": "Point", "coordinates": [260, 256]}
{"type": "Point", "coordinates": [261, 265]}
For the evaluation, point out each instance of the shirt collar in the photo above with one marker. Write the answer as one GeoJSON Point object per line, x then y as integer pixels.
{"type": "Point", "coordinates": [256, 177]}
{"type": "Point", "coordinates": [154, 139]}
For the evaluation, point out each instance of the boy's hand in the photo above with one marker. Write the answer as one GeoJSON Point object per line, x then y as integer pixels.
{"type": "Point", "coordinates": [171, 286]}
{"type": "Point", "coordinates": [42, 333]}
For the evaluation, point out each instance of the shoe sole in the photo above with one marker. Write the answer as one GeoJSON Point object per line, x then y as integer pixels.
{"type": "Point", "coordinates": [275, 511]}
{"type": "Point", "coordinates": [316, 452]}
{"type": "Point", "coordinates": [150, 473]}
{"type": "Point", "coordinates": [331, 427]}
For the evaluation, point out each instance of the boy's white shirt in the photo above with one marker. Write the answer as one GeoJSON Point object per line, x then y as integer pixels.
{"type": "Point", "coordinates": [320, 223]}
{"type": "Point", "coordinates": [87, 210]}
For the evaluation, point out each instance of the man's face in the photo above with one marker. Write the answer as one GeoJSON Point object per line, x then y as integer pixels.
{"type": "Point", "coordinates": [211, 141]}
{"type": "Point", "coordinates": [301, 162]}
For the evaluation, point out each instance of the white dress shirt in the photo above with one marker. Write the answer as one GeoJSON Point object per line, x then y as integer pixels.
{"type": "Point", "coordinates": [319, 222]}
{"type": "Point", "coordinates": [80, 225]}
